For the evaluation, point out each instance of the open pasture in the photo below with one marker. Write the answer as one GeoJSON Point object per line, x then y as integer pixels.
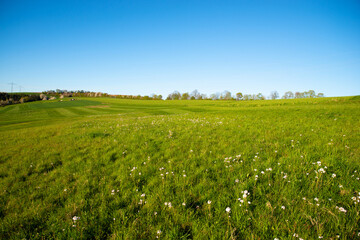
{"type": "Point", "coordinates": [129, 169]}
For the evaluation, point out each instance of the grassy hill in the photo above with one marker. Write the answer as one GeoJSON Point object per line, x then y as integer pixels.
{"type": "Point", "coordinates": [130, 169]}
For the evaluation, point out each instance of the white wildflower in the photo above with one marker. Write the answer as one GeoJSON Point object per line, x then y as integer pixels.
{"type": "Point", "coordinates": [341, 209]}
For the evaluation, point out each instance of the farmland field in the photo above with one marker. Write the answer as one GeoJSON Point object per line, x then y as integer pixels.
{"type": "Point", "coordinates": [130, 169]}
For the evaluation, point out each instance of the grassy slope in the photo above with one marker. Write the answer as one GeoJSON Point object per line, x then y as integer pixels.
{"type": "Point", "coordinates": [63, 159]}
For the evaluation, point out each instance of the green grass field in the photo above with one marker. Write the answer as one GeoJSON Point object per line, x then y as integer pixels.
{"type": "Point", "coordinates": [99, 168]}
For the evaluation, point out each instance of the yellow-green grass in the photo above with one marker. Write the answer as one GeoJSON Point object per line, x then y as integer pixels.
{"type": "Point", "coordinates": [107, 168]}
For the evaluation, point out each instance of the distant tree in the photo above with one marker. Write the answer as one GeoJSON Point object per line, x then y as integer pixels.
{"type": "Point", "coordinates": [260, 96]}
{"type": "Point", "coordinates": [203, 96]}
{"type": "Point", "coordinates": [247, 97]}
{"type": "Point", "coordinates": [195, 94]}
{"type": "Point", "coordinates": [226, 95]}
{"type": "Point", "coordinates": [288, 95]}
{"type": "Point", "coordinates": [185, 96]}
{"type": "Point", "coordinates": [311, 93]}
{"type": "Point", "coordinates": [239, 96]}
{"type": "Point", "coordinates": [274, 95]}
{"type": "Point", "coordinates": [214, 96]}
{"type": "Point", "coordinates": [320, 95]}
{"type": "Point", "coordinates": [175, 95]}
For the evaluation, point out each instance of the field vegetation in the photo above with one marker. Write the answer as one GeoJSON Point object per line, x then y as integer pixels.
{"type": "Point", "coordinates": [104, 168]}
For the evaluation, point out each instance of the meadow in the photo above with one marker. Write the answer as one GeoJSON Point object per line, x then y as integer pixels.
{"type": "Point", "coordinates": [103, 168]}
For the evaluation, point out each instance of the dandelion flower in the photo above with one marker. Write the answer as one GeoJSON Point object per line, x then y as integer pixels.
{"type": "Point", "coordinates": [228, 209]}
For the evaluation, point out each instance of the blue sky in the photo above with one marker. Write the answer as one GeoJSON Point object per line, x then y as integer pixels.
{"type": "Point", "coordinates": [145, 47]}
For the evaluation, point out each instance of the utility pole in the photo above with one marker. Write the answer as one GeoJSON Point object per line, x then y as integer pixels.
{"type": "Point", "coordinates": [20, 88]}
{"type": "Point", "coordinates": [12, 86]}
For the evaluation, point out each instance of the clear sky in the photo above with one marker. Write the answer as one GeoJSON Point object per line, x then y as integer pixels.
{"type": "Point", "coordinates": [158, 46]}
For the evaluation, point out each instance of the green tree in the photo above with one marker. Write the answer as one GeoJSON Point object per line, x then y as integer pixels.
{"type": "Point", "coordinates": [260, 96]}
{"type": "Point", "coordinates": [239, 96]}
{"type": "Point", "coordinates": [185, 96]}
{"type": "Point", "coordinates": [311, 93]}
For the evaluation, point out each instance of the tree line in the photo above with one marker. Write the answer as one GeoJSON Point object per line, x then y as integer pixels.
{"type": "Point", "coordinates": [13, 98]}
{"type": "Point", "coordinates": [83, 93]}
{"type": "Point", "coordinates": [226, 95]}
